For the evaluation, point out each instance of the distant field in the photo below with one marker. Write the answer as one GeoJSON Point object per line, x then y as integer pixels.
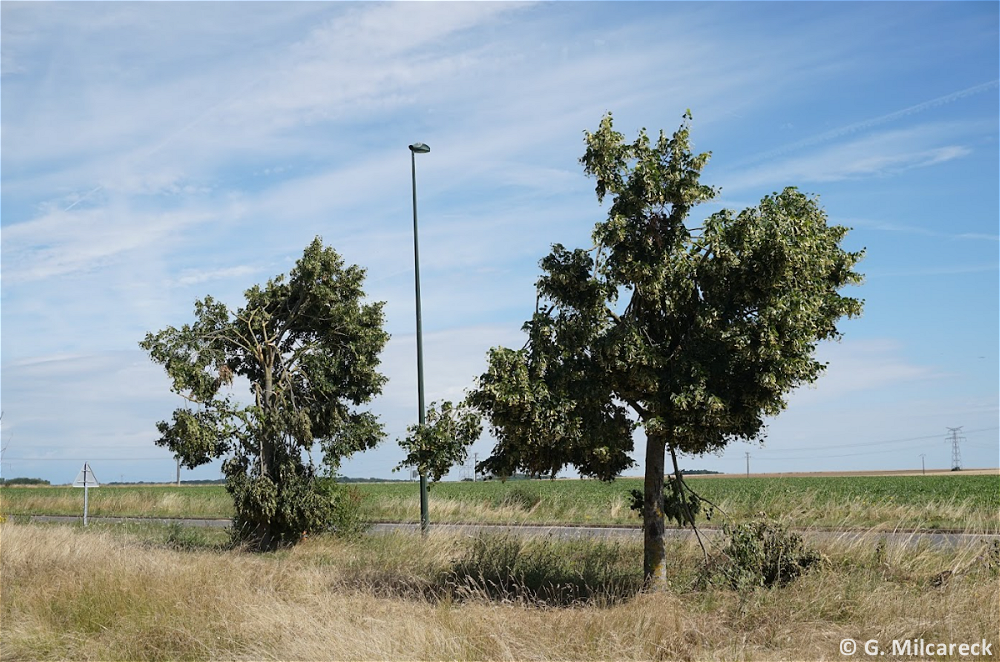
{"type": "Point", "coordinates": [885, 472]}
{"type": "Point", "coordinates": [924, 502]}
{"type": "Point", "coordinates": [125, 501]}
{"type": "Point", "coordinates": [960, 502]}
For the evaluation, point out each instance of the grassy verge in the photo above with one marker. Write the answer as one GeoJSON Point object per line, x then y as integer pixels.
{"type": "Point", "coordinates": [968, 503]}
{"type": "Point", "coordinates": [117, 593]}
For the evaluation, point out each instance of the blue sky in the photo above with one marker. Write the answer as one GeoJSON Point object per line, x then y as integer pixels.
{"type": "Point", "coordinates": [153, 153]}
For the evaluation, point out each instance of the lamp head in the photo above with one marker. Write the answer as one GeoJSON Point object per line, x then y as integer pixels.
{"type": "Point", "coordinates": [419, 148]}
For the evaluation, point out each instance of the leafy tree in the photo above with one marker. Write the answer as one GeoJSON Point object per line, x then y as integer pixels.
{"type": "Point", "coordinates": [694, 334]}
{"type": "Point", "coordinates": [442, 441]}
{"type": "Point", "coordinates": [309, 347]}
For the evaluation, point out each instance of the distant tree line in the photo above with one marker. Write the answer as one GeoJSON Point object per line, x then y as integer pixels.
{"type": "Point", "coordinates": [23, 481]}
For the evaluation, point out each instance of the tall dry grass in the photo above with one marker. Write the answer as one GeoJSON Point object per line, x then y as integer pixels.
{"type": "Point", "coordinates": [81, 595]}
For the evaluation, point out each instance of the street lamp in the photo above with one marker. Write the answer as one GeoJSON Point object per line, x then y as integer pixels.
{"type": "Point", "coordinates": [419, 148]}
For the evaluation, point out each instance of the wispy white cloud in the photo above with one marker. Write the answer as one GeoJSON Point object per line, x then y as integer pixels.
{"type": "Point", "coordinates": [198, 276]}
{"type": "Point", "coordinates": [878, 155]}
{"type": "Point", "coordinates": [60, 242]}
{"type": "Point", "coordinates": [156, 152]}
{"type": "Point", "coordinates": [857, 366]}
{"type": "Point", "coordinates": [903, 228]}
{"type": "Point", "coordinates": [871, 123]}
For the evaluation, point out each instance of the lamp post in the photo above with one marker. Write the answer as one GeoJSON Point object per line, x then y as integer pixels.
{"type": "Point", "coordinates": [419, 148]}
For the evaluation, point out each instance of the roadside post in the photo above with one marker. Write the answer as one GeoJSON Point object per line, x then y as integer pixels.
{"type": "Point", "coordinates": [86, 480]}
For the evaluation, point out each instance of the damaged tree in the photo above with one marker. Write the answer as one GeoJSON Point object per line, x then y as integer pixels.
{"type": "Point", "coordinates": [308, 346]}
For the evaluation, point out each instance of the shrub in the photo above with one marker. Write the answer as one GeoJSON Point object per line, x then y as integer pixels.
{"type": "Point", "coordinates": [346, 519]}
{"type": "Point", "coordinates": [761, 554]}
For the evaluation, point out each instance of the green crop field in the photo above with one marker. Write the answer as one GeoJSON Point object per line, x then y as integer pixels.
{"type": "Point", "coordinates": [125, 501]}
{"type": "Point", "coordinates": [968, 503]}
{"type": "Point", "coordinates": [912, 502]}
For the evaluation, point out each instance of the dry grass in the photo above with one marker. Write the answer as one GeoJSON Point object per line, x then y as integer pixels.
{"type": "Point", "coordinates": [88, 595]}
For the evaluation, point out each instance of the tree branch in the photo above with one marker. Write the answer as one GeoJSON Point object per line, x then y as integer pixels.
{"type": "Point", "coordinates": [639, 409]}
{"type": "Point", "coordinates": [684, 503]}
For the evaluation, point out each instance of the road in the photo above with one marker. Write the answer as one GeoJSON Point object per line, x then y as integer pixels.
{"type": "Point", "coordinates": [938, 539]}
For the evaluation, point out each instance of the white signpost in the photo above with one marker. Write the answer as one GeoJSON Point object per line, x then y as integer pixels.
{"type": "Point", "coordinates": [86, 480]}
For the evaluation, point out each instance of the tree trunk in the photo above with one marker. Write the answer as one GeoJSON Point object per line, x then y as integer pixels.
{"type": "Point", "coordinates": [264, 539]}
{"type": "Point", "coordinates": [654, 566]}
{"type": "Point", "coordinates": [266, 440]}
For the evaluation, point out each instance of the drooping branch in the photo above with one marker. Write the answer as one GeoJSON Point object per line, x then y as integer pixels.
{"type": "Point", "coordinates": [698, 496]}
{"type": "Point", "coordinates": [684, 504]}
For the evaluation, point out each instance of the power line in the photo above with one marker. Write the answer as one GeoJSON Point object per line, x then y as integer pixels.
{"type": "Point", "coordinates": [823, 457]}
{"type": "Point", "coordinates": [812, 457]}
{"type": "Point", "coordinates": [866, 443]}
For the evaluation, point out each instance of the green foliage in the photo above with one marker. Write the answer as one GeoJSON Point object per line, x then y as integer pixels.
{"type": "Point", "coordinates": [677, 506]}
{"type": "Point", "coordinates": [698, 332]}
{"type": "Point", "coordinates": [271, 511]}
{"type": "Point", "coordinates": [442, 442]}
{"type": "Point", "coordinates": [347, 520]}
{"type": "Point", "coordinates": [308, 346]}
{"type": "Point", "coordinates": [761, 554]}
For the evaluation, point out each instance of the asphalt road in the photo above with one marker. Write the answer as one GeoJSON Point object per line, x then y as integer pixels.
{"type": "Point", "coordinates": [574, 532]}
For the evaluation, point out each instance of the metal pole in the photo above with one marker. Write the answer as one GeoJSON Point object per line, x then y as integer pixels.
{"type": "Point", "coordinates": [86, 489]}
{"type": "Point", "coordinates": [424, 519]}
{"type": "Point", "coordinates": [748, 463]}
{"type": "Point", "coordinates": [923, 472]}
